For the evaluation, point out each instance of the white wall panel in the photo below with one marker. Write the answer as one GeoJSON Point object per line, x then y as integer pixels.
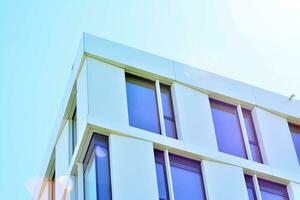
{"type": "Point", "coordinates": [132, 169]}
{"type": "Point", "coordinates": [107, 93]}
{"type": "Point", "coordinates": [224, 181]}
{"type": "Point", "coordinates": [193, 117]}
{"type": "Point", "coordinates": [275, 141]}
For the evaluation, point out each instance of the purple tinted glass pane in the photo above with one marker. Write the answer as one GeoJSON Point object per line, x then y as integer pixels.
{"type": "Point", "coordinates": [170, 128]}
{"type": "Point", "coordinates": [256, 155]}
{"type": "Point", "coordinates": [227, 127]}
{"type": "Point", "coordinates": [255, 152]}
{"type": "Point", "coordinates": [103, 172]}
{"type": "Point", "coordinates": [168, 111]}
{"type": "Point", "coordinates": [142, 104]}
{"type": "Point", "coordinates": [272, 191]}
{"type": "Point", "coordinates": [166, 100]}
{"type": "Point", "coordinates": [295, 130]}
{"type": "Point", "coordinates": [161, 175]}
{"type": "Point", "coordinates": [250, 187]}
{"type": "Point", "coordinates": [186, 179]}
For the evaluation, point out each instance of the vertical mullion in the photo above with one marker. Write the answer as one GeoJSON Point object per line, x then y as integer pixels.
{"type": "Point", "coordinates": [160, 108]}
{"type": "Point", "coordinates": [244, 132]}
{"type": "Point", "coordinates": [169, 176]}
{"type": "Point", "coordinates": [256, 187]}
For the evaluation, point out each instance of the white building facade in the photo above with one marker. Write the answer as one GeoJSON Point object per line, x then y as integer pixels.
{"type": "Point", "coordinates": [136, 126]}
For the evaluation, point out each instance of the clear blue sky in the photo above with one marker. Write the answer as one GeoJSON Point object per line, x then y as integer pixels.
{"type": "Point", "coordinates": [254, 41]}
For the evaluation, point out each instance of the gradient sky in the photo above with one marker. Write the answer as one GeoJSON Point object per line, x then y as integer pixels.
{"type": "Point", "coordinates": [256, 42]}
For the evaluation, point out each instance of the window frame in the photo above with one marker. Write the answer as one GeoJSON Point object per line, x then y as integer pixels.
{"type": "Point", "coordinates": [157, 90]}
{"type": "Point", "coordinates": [100, 140]}
{"type": "Point", "coordinates": [167, 165]}
{"type": "Point", "coordinates": [243, 129]}
{"type": "Point", "coordinates": [257, 189]}
{"type": "Point", "coordinates": [293, 126]}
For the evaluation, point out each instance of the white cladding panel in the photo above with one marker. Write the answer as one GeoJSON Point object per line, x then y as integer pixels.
{"type": "Point", "coordinates": [224, 181]}
{"type": "Point", "coordinates": [132, 169]}
{"type": "Point", "coordinates": [193, 117]}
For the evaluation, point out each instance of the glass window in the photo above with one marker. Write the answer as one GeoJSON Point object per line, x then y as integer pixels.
{"type": "Point", "coordinates": [227, 127]}
{"type": "Point", "coordinates": [168, 112]}
{"type": "Point", "coordinates": [272, 191]}
{"type": "Point", "coordinates": [74, 130]}
{"type": "Point", "coordinates": [90, 184]}
{"type": "Point", "coordinates": [97, 171]}
{"type": "Point", "coordinates": [250, 187]}
{"type": "Point", "coordinates": [186, 179]}
{"type": "Point", "coordinates": [252, 138]}
{"type": "Point", "coordinates": [295, 130]}
{"type": "Point", "coordinates": [142, 104]}
{"type": "Point", "coordinates": [161, 175]}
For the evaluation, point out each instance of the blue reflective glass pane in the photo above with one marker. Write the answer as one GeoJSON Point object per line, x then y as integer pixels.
{"type": "Point", "coordinates": [103, 172]}
{"type": "Point", "coordinates": [142, 104]}
{"type": "Point", "coordinates": [161, 175]}
{"type": "Point", "coordinates": [166, 100]}
{"type": "Point", "coordinates": [255, 152]}
{"type": "Point", "coordinates": [227, 127]}
{"type": "Point", "coordinates": [251, 133]}
{"type": "Point", "coordinates": [90, 189]}
{"type": "Point", "coordinates": [272, 191]}
{"type": "Point", "coordinates": [170, 128]}
{"type": "Point", "coordinates": [250, 187]}
{"type": "Point", "coordinates": [295, 130]}
{"type": "Point", "coordinates": [168, 111]}
{"type": "Point", "coordinates": [186, 179]}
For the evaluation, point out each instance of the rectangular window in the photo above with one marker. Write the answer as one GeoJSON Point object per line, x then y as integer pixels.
{"type": "Point", "coordinates": [143, 99]}
{"type": "Point", "coordinates": [227, 127]}
{"type": "Point", "coordinates": [168, 112]}
{"type": "Point", "coordinates": [272, 191]}
{"type": "Point", "coordinates": [250, 187]}
{"type": "Point", "coordinates": [231, 137]}
{"type": "Point", "coordinates": [267, 190]}
{"type": "Point", "coordinates": [252, 138]}
{"type": "Point", "coordinates": [186, 179]}
{"type": "Point", "coordinates": [185, 175]}
{"type": "Point", "coordinates": [295, 131]}
{"type": "Point", "coordinates": [97, 183]}
{"type": "Point", "coordinates": [161, 175]}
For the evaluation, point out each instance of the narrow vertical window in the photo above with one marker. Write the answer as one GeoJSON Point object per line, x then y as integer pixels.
{"type": "Point", "coordinates": [74, 130]}
{"type": "Point", "coordinates": [97, 170]}
{"type": "Point", "coordinates": [252, 137]}
{"type": "Point", "coordinates": [142, 104]}
{"type": "Point", "coordinates": [161, 175]}
{"type": "Point", "coordinates": [272, 191]}
{"type": "Point", "coordinates": [168, 112]}
{"type": "Point", "coordinates": [186, 179]}
{"type": "Point", "coordinates": [295, 131]}
{"type": "Point", "coordinates": [227, 127]}
{"type": "Point", "coordinates": [250, 187]}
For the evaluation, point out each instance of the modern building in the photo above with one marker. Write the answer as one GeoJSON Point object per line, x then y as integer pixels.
{"type": "Point", "coordinates": [136, 126]}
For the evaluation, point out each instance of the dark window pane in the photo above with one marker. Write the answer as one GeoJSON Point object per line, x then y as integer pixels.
{"type": "Point", "coordinates": [251, 133]}
{"type": "Point", "coordinates": [170, 128]}
{"type": "Point", "coordinates": [295, 130]}
{"type": "Point", "coordinates": [142, 104]}
{"type": "Point", "coordinates": [161, 175]}
{"type": "Point", "coordinates": [168, 112]}
{"type": "Point", "coordinates": [227, 127]}
{"type": "Point", "coordinates": [186, 179]}
{"type": "Point", "coordinates": [255, 152]}
{"type": "Point", "coordinates": [250, 187]}
{"type": "Point", "coordinates": [97, 170]}
{"type": "Point", "coordinates": [272, 191]}
{"type": "Point", "coordinates": [103, 174]}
